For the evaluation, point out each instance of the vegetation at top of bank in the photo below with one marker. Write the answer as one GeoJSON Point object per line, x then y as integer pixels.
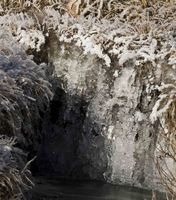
{"type": "Point", "coordinates": [105, 29]}
{"type": "Point", "coordinates": [83, 6]}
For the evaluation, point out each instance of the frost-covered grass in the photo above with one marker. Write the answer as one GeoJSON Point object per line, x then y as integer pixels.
{"type": "Point", "coordinates": [165, 110]}
{"type": "Point", "coordinates": [24, 95]}
{"type": "Point", "coordinates": [14, 174]}
{"type": "Point", "coordinates": [125, 30]}
{"type": "Point", "coordinates": [18, 5]}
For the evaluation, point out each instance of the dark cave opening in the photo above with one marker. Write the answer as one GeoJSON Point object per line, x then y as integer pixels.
{"type": "Point", "coordinates": [58, 152]}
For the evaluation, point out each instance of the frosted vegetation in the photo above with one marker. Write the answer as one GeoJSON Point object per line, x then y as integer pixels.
{"type": "Point", "coordinates": [130, 31]}
{"type": "Point", "coordinates": [24, 95]}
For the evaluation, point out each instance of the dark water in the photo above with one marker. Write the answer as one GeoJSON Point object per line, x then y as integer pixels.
{"type": "Point", "coordinates": [50, 189]}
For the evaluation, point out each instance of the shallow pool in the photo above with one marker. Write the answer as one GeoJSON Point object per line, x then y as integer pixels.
{"type": "Point", "coordinates": [50, 189]}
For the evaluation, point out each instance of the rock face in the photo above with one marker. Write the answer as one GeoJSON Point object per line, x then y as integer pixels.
{"type": "Point", "coordinates": [100, 125]}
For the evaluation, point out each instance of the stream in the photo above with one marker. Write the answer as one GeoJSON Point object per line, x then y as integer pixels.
{"type": "Point", "coordinates": [53, 189]}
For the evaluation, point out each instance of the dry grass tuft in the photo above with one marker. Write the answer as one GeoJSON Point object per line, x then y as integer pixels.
{"type": "Point", "coordinates": [166, 159]}
{"type": "Point", "coordinates": [14, 183]}
{"type": "Point", "coordinates": [100, 8]}
{"type": "Point", "coordinates": [14, 174]}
